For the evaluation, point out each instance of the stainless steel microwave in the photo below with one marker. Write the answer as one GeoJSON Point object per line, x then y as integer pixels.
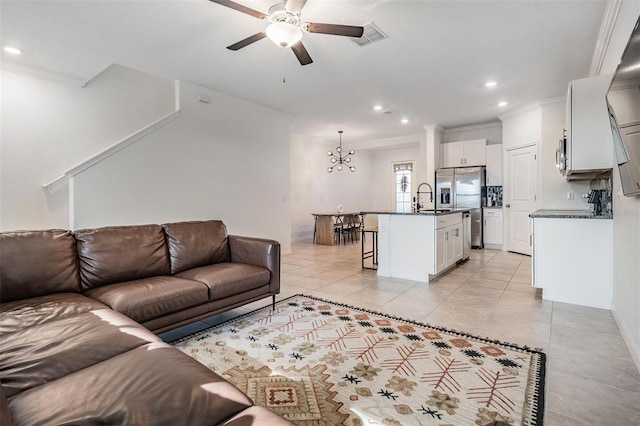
{"type": "Point", "coordinates": [561, 154]}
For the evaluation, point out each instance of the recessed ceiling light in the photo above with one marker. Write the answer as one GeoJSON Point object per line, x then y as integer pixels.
{"type": "Point", "coordinates": [377, 107]}
{"type": "Point", "coordinates": [404, 120]}
{"type": "Point", "coordinates": [12, 50]}
{"type": "Point", "coordinates": [503, 103]}
{"type": "Point", "coordinates": [490, 84]}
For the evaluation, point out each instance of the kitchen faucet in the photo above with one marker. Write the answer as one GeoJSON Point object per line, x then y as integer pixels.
{"type": "Point", "coordinates": [430, 192]}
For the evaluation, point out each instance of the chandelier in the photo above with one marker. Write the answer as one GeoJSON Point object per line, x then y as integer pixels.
{"type": "Point", "coordinates": [338, 161]}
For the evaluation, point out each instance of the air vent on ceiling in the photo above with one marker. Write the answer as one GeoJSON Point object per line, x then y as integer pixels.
{"type": "Point", "coordinates": [371, 33]}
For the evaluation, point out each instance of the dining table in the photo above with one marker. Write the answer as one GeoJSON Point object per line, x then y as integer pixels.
{"type": "Point", "coordinates": [324, 226]}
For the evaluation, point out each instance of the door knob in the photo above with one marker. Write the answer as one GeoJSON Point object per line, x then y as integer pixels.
{"type": "Point", "coordinates": [507, 205]}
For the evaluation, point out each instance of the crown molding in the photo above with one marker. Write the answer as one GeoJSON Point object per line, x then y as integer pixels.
{"type": "Point", "coordinates": [527, 108]}
{"type": "Point", "coordinates": [435, 127]}
{"type": "Point", "coordinates": [604, 36]}
{"type": "Point", "coordinates": [42, 73]}
{"type": "Point", "coordinates": [389, 142]}
{"type": "Point", "coordinates": [557, 99]}
{"type": "Point", "coordinates": [531, 107]}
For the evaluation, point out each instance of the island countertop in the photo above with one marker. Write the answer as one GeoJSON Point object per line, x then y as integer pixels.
{"type": "Point", "coordinates": [568, 214]}
{"type": "Point", "coordinates": [422, 213]}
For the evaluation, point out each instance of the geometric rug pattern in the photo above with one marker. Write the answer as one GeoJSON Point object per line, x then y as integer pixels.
{"type": "Point", "coordinates": [317, 362]}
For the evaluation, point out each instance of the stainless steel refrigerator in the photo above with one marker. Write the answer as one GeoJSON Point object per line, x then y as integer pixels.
{"type": "Point", "coordinates": [463, 188]}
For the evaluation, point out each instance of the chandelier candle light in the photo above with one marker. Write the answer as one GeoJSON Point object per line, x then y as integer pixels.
{"type": "Point", "coordinates": [339, 160]}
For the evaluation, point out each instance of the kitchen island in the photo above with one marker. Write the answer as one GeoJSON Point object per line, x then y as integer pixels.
{"type": "Point", "coordinates": [420, 246]}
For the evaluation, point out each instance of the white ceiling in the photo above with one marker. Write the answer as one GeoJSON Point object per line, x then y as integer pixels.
{"type": "Point", "coordinates": [431, 69]}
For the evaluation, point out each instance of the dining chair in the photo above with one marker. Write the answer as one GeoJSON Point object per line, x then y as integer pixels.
{"type": "Point", "coordinates": [338, 230]}
{"type": "Point", "coordinates": [315, 228]}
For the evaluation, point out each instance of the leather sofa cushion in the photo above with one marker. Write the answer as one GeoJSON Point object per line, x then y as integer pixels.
{"type": "Point", "coordinates": [149, 298]}
{"type": "Point", "coordinates": [19, 314]}
{"type": "Point", "coordinates": [35, 263]}
{"type": "Point", "coordinates": [154, 384]}
{"type": "Point", "coordinates": [194, 244]}
{"type": "Point", "coordinates": [121, 253]}
{"type": "Point", "coordinates": [40, 354]}
{"type": "Point", "coordinates": [228, 279]}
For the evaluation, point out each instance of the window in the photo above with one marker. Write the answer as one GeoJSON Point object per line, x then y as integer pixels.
{"type": "Point", "coordinates": [402, 172]}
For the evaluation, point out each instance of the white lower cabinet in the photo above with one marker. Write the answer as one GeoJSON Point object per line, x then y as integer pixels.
{"type": "Point", "coordinates": [449, 242]}
{"type": "Point", "coordinates": [492, 226]}
{"type": "Point", "coordinates": [441, 249]}
{"type": "Point", "coordinates": [572, 260]}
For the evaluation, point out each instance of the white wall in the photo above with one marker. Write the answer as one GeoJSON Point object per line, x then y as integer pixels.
{"type": "Point", "coordinates": [626, 212]}
{"type": "Point", "coordinates": [492, 132]}
{"type": "Point", "coordinates": [521, 128]}
{"type": "Point", "coordinates": [543, 123]}
{"type": "Point", "coordinates": [381, 182]}
{"type": "Point", "coordinates": [48, 127]}
{"type": "Point", "coordinates": [314, 190]}
{"type": "Point", "coordinates": [227, 160]}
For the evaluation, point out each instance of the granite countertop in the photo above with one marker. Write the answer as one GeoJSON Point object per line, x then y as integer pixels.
{"type": "Point", "coordinates": [568, 214]}
{"type": "Point", "coordinates": [422, 213]}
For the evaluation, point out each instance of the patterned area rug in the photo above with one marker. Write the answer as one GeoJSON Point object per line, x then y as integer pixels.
{"type": "Point", "coordinates": [321, 363]}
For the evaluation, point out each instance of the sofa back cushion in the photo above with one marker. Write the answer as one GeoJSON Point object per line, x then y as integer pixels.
{"type": "Point", "coordinates": [36, 263]}
{"type": "Point", "coordinates": [121, 253]}
{"type": "Point", "coordinates": [194, 244]}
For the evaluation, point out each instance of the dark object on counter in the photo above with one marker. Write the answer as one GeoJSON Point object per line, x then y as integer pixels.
{"type": "Point", "coordinates": [597, 197]}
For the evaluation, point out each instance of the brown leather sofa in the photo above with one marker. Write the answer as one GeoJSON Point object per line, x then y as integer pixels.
{"type": "Point", "coordinates": [78, 313]}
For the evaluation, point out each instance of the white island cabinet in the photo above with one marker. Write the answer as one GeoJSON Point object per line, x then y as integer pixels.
{"type": "Point", "coordinates": [448, 241]}
{"type": "Point", "coordinates": [418, 246]}
{"type": "Point", "coordinates": [572, 257]}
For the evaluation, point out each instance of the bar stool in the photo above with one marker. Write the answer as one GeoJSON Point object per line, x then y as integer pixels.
{"type": "Point", "coordinates": [373, 253]}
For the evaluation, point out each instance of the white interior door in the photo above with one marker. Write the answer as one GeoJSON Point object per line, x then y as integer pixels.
{"type": "Point", "coordinates": [520, 192]}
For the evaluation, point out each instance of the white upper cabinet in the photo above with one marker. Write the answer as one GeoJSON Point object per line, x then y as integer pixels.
{"type": "Point", "coordinates": [464, 154]}
{"type": "Point", "coordinates": [494, 165]}
{"type": "Point", "coordinates": [589, 139]}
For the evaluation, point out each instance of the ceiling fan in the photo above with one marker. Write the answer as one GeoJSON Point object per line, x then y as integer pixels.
{"type": "Point", "coordinates": [286, 27]}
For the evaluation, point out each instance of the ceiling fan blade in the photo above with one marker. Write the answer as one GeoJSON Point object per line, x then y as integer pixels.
{"type": "Point", "coordinates": [301, 53]}
{"type": "Point", "coordinates": [247, 41]}
{"type": "Point", "coordinates": [240, 8]}
{"type": "Point", "coordinates": [335, 29]}
{"type": "Point", "coordinates": [295, 6]}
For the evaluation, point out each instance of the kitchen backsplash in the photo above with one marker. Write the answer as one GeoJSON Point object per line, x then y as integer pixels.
{"type": "Point", "coordinates": [494, 196]}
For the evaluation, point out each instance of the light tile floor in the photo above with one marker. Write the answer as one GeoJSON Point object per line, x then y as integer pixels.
{"type": "Point", "coordinates": [591, 378]}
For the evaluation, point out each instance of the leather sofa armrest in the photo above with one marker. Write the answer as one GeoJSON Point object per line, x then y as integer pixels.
{"type": "Point", "coordinates": [259, 252]}
{"type": "Point", "coordinates": [5, 416]}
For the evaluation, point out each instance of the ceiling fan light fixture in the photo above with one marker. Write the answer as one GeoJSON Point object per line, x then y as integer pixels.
{"type": "Point", "coordinates": [284, 34]}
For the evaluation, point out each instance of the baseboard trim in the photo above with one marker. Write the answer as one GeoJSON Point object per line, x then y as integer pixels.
{"type": "Point", "coordinates": [302, 237]}
{"type": "Point", "coordinates": [628, 339]}
{"type": "Point", "coordinates": [493, 246]}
